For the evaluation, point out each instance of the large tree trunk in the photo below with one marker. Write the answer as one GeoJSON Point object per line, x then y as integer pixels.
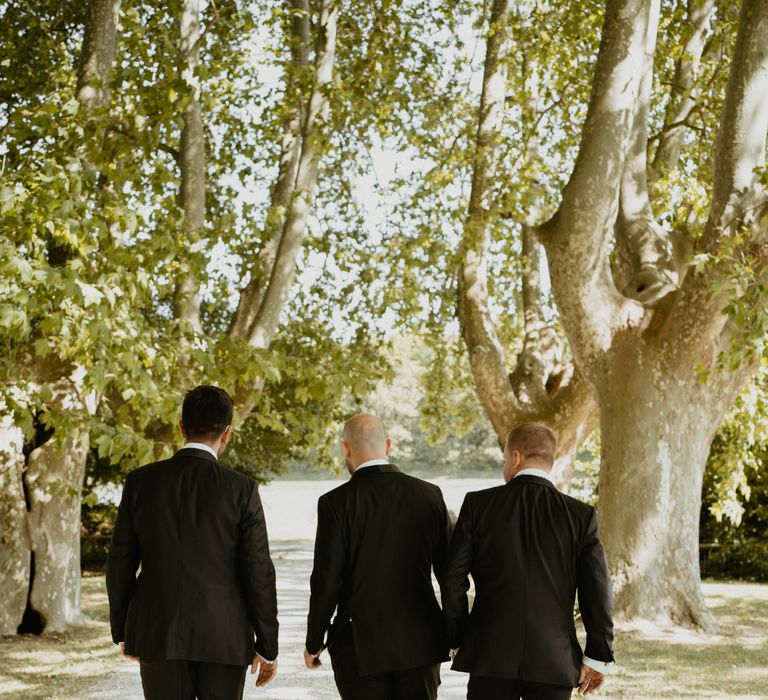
{"type": "Point", "coordinates": [642, 355]}
{"type": "Point", "coordinates": [14, 541]}
{"type": "Point", "coordinates": [654, 449]}
{"type": "Point", "coordinates": [54, 478]}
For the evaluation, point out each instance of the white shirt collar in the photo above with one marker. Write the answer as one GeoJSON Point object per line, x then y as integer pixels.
{"type": "Point", "coordinates": [200, 446]}
{"type": "Point", "coordinates": [534, 472]}
{"type": "Point", "coordinates": [371, 463]}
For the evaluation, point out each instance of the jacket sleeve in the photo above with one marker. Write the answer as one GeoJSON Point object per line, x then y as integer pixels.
{"type": "Point", "coordinates": [595, 594]}
{"type": "Point", "coordinates": [455, 583]}
{"type": "Point", "coordinates": [440, 554]}
{"type": "Point", "coordinates": [122, 564]}
{"type": "Point", "coordinates": [327, 572]}
{"type": "Point", "coordinates": [258, 576]}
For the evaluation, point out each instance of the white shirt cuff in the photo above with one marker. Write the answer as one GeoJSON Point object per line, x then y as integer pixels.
{"type": "Point", "coordinates": [603, 667]}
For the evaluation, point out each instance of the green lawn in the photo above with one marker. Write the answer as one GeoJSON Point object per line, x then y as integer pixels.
{"type": "Point", "coordinates": [653, 664]}
{"type": "Point", "coordinates": [683, 664]}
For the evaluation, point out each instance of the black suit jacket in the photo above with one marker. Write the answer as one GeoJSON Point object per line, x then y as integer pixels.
{"type": "Point", "coordinates": [378, 538]}
{"type": "Point", "coordinates": [529, 549]}
{"type": "Point", "coordinates": [207, 582]}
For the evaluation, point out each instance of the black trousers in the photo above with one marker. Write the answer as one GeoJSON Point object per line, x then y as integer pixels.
{"type": "Point", "coordinates": [186, 680]}
{"type": "Point", "coordinates": [482, 688]}
{"type": "Point", "coordinates": [411, 684]}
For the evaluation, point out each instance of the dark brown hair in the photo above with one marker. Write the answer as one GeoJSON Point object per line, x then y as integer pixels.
{"type": "Point", "coordinates": [206, 411]}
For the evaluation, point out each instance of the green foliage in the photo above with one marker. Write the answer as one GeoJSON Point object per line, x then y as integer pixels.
{"type": "Point", "coordinates": [738, 456]}
{"type": "Point", "coordinates": [92, 244]}
{"type": "Point", "coordinates": [734, 512]}
{"type": "Point", "coordinates": [743, 561]}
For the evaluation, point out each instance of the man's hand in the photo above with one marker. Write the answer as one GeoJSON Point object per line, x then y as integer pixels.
{"type": "Point", "coordinates": [589, 680]}
{"type": "Point", "coordinates": [127, 656]}
{"type": "Point", "coordinates": [267, 670]}
{"type": "Point", "coordinates": [312, 662]}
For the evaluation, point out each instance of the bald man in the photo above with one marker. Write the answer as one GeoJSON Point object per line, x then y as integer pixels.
{"type": "Point", "coordinates": [379, 536]}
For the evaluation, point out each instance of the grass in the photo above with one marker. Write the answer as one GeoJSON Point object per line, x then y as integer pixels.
{"type": "Point", "coordinates": [58, 666]}
{"type": "Point", "coordinates": [675, 663]}
{"type": "Point", "coordinates": [652, 663]}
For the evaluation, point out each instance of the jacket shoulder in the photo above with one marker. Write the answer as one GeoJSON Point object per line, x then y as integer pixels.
{"type": "Point", "coordinates": [336, 494]}
{"type": "Point", "coordinates": [417, 483]}
{"type": "Point", "coordinates": [146, 470]}
{"type": "Point", "coordinates": [484, 495]}
{"type": "Point", "coordinates": [579, 507]}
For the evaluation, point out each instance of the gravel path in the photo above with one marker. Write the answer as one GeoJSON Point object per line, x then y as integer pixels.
{"type": "Point", "coordinates": [293, 562]}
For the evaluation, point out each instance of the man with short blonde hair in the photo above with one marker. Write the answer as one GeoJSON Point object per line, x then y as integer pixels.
{"type": "Point", "coordinates": [528, 548]}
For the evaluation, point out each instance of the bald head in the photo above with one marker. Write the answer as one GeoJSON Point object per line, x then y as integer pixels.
{"type": "Point", "coordinates": [365, 438]}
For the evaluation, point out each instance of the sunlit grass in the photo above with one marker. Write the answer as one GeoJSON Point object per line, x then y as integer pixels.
{"type": "Point", "coordinates": [651, 663]}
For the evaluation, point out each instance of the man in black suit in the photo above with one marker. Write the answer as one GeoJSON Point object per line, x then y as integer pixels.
{"type": "Point", "coordinates": [207, 583]}
{"type": "Point", "coordinates": [529, 549]}
{"type": "Point", "coordinates": [378, 538]}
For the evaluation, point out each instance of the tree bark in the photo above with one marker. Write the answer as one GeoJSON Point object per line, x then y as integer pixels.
{"type": "Point", "coordinates": [540, 387]}
{"type": "Point", "coordinates": [654, 449]}
{"type": "Point", "coordinates": [98, 53]}
{"type": "Point", "coordinates": [192, 162]}
{"type": "Point", "coordinates": [54, 477]}
{"type": "Point", "coordinates": [14, 539]}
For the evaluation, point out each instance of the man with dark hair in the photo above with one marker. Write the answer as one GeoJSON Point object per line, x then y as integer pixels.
{"type": "Point", "coordinates": [206, 584]}
{"type": "Point", "coordinates": [529, 549]}
{"type": "Point", "coordinates": [379, 536]}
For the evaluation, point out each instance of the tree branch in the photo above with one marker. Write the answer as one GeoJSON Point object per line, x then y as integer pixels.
{"type": "Point", "coordinates": [698, 322]}
{"type": "Point", "coordinates": [578, 238]}
{"type": "Point", "coordinates": [486, 353]}
{"type": "Point", "coordinates": [98, 52]}
{"type": "Point", "coordinates": [742, 137]}
{"type": "Point", "coordinates": [192, 159]}
{"type": "Point", "coordinates": [294, 230]}
{"type": "Point", "coordinates": [650, 262]}
{"type": "Point", "coordinates": [681, 102]}
{"type": "Point", "coordinates": [251, 297]}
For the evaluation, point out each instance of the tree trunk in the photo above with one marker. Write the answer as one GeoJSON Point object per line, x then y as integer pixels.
{"type": "Point", "coordinates": [99, 46]}
{"type": "Point", "coordinates": [14, 542]}
{"type": "Point", "coordinates": [192, 161]}
{"type": "Point", "coordinates": [54, 478]}
{"type": "Point", "coordinates": [654, 449]}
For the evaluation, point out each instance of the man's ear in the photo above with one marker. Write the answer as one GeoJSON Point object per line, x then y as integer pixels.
{"type": "Point", "coordinates": [182, 430]}
{"type": "Point", "coordinates": [226, 435]}
{"type": "Point", "coordinates": [346, 450]}
{"type": "Point", "coordinates": [389, 446]}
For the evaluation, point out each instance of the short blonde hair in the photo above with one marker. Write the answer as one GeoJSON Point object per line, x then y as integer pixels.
{"type": "Point", "coordinates": [533, 440]}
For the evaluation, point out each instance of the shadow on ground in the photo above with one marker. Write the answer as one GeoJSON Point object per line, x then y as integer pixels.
{"type": "Point", "coordinates": [85, 665]}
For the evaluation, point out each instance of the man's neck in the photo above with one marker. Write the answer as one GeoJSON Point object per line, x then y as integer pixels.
{"type": "Point", "coordinates": [200, 445]}
{"type": "Point", "coordinates": [539, 470]}
{"type": "Point", "coordinates": [367, 460]}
